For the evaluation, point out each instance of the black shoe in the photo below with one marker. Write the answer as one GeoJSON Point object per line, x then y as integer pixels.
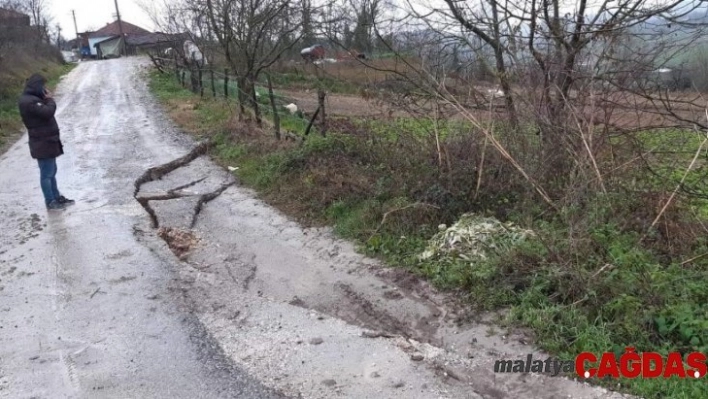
{"type": "Point", "coordinates": [55, 205]}
{"type": "Point", "coordinates": [65, 201]}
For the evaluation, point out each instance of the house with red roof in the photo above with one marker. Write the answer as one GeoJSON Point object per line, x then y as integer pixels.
{"type": "Point", "coordinates": [108, 42]}
{"type": "Point", "coordinates": [116, 28]}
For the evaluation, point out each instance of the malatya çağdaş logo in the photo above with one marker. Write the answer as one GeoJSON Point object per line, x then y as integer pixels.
{"type": "Point", "coordinates": [628, 365]}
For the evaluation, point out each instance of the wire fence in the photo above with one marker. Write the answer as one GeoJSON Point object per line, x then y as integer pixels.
{"type": "Point", "coordinates": [208, 82]}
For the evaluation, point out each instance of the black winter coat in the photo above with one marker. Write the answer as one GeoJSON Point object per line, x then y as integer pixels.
{"type": "Point", "coordinates": [38, 116]}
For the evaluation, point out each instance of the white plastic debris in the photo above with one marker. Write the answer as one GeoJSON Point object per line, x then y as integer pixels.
{"type": "Point", "coordinates": [495, 93]}
{"type": "Point", "coordinates": [474, 238]}
{"type": "Point", "coordinates": [292, 108]}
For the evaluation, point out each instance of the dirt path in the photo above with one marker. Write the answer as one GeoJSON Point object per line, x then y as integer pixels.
{"type": "Point", "coordinates": [96, 305]}
{"type": "Point", "coordinates": [337, 104]}
{"type": "Point", "coordinates": [623, 112]}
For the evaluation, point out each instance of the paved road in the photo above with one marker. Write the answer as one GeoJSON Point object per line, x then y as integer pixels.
{"type": "Point", "coordinates": [85, 310]}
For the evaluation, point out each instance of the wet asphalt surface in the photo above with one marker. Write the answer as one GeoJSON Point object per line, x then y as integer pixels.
{"type": "Point", "coordinates": [86, 311]}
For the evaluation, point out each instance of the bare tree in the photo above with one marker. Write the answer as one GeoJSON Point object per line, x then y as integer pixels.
{"type": "Point", "coordinates": [573, 73]}
{"type": "Point", "coordinates": [253, 37]}
{"type": "Point", "coordinates": [40, 20]}
{"type": "Point", "coordinates": [308, 28]}
{"type": "Point", "coordinates": [38, 12]}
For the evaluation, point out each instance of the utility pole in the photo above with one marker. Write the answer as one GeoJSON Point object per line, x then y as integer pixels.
{"type": "Point", "coordinates": [59, 36]}
{"type": "Point", "coordinates": [76, 27]}
{"type": "Point", "coordinates": [120, 28]}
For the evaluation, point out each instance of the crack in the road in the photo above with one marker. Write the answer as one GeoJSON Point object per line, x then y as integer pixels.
{"type": "Point", "coordinates": [251, 275]}
{"type": "Point", "coordinates": [157, 172]}
{"type": "Point", "coordinates": [205, 198]}
{"type": "Point", "coordinates": [188, 185]}
{"type": "Point", "coordinates": [145, 203]}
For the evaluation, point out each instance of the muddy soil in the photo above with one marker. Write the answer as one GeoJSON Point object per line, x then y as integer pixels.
{"type": "Point", "coordinates": [622, 111]}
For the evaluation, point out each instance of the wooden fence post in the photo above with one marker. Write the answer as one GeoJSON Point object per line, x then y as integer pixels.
{"type": "Point", "coordinates": [226, 83]}
{"type": "Point", "coordinates": [321, 100]}
{"type": "Point", "coordinates": [312, 121]}
{"type": "Point", "coordinates": [213, 85]}
{"type": "Point", "coordinates": [276, 117]}
{"type": "Point", "coordinates": [201, 83]}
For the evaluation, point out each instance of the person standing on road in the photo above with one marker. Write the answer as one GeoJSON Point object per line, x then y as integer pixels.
{"type": "Point", "coordinates": [37, 108]}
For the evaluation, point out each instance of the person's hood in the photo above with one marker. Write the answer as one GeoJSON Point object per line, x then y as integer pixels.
{"type": "Point", "coordinates": [35, 85]}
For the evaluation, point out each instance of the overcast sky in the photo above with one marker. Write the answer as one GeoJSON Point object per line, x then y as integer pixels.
{"type": "Point", "coordinates": [96, 14]}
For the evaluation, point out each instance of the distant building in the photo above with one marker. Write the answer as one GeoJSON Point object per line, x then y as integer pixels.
{"type": "Point", "coordinates": [111, 47]}
{"type": "Point", "coordinates": [16, 27]}
{"type": "Point", "coordinates": [156, 42]}
{"type": "Point", "coordinates": [82, 43]}
{"type": "Point", "coordinates": [13, 18]}
{"type": "Point", "coordinates": [74, 44]}
{"type": "Point", "coordinates": [109, 37]}
{"type": "Point", "coordinates": [113, 29]}
{"type": "Point", "coordinates": [107, 41]}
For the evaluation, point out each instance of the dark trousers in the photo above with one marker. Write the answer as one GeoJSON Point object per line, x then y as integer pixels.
{"type": "Point", "coordinates": [48, 179]}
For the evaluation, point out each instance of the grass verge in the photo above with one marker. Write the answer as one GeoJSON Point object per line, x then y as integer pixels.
{"type": "Point", "coordinates": [598, 278]}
